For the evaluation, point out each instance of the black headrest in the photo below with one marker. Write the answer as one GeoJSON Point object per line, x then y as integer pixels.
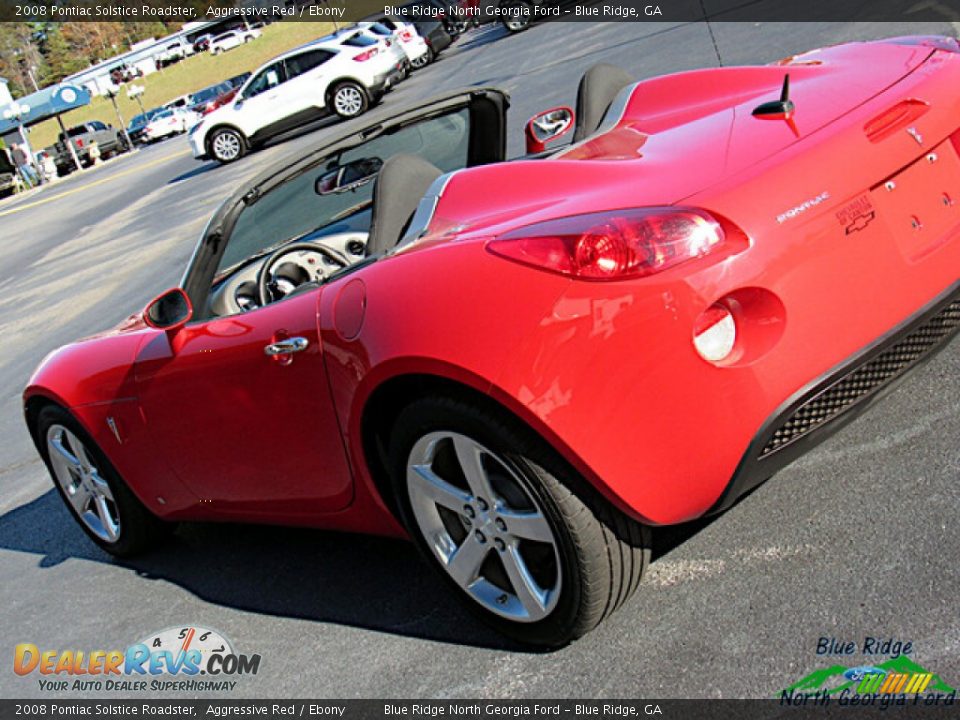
{"type": "Point", "coordinates": [598, 88]}
{"type": "Point", "coordinates": [401, 184]}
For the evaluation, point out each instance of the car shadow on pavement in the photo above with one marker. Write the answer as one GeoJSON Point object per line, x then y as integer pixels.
{"type": "Point", "coordinates": [373, 583]}
{"type": "Point", "coordinates": [355, 580]}
{"type": "Point", "coordinates": [205, 168]}
{"type": "Point", "coordinates": [484, 35]}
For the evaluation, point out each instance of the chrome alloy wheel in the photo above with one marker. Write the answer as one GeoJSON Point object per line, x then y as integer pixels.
{"type": "Point", "coordinates": [484, 525]}
{"type": "Point", "coordinates": [348, 101]}
{"type": "Point", "coordinates": [420, 61]}
{"type": "Point", "coordinates": [82, 484]}
{"type": "Point", "coordinates": [226, 146]}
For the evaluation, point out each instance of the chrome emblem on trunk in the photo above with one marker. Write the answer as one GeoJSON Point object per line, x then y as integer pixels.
{"type": "Point", "coordinates": [915, 135]}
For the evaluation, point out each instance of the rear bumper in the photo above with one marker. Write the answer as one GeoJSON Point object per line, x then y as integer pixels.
{"type": "Point", "coordinates": [830, 402]}
{"type": "Point", "coordinates": [416, 49]}
{"type": "Point", "coordinates": [395, 75]}
{"type": "Point", "coordinates": [384, 81]}
{"type": "Point", "coordinates": [614, 382]}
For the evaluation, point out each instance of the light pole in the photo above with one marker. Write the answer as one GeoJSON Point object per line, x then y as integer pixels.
{"type": "Point", "coordinates": [17, 111]}
{"type": "Point", "coordinates": [135, 92]}
{"type": "Point", "coordinates": [112, 93]}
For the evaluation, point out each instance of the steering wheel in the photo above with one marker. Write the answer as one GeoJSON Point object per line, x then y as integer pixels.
{"type": "Point", "coordinates": [265, 278]}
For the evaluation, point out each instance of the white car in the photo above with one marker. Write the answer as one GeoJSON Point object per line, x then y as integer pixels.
{"type": "Point", "coordinates": [406, 36]}
{"type": "Point", "coordinates": [231, 39]}
{"type": "Point", "coordinates": [344, 73]}
{"type": "Point", "coordinates": [169, 122]}
{"type": "Point", "coordinates": [391, 44]}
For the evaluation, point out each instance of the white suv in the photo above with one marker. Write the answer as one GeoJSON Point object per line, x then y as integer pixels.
{"type": "Point", "coordinates": [404, 36]}
{"type": "Point", "coordinates": [343, 73]}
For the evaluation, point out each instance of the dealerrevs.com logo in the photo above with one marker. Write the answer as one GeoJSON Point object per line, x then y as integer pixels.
{"type": "Point", "coordinates": [187, 659]}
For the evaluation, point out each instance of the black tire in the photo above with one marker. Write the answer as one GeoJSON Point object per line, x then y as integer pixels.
{"type": "Point", "coordinates": [140, 530]}
{"type": "Point", "coordinates": [521, 22]}
{"type": "Point", "coordinates": [602, 552]}
{"type": "Point", "coordinates": [423, 60]}
{"type": "Point", "coordinates": [354, 90]}
{"type": "Point", "coordinates": [224, 137]}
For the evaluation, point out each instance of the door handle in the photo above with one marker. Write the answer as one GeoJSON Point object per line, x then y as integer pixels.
{"type": "Point", "coordinates": [286, 347]}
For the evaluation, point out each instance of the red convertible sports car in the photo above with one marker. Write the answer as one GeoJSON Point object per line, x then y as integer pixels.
{"type": "Point", "coordinates": [524, 365]}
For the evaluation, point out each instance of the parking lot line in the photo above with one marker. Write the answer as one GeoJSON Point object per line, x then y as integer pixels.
{"type": "Point", "coordinates": [71, 191]}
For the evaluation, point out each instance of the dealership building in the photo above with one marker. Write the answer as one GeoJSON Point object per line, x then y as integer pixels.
{"type": "Point", "coordinates": [146, 57]}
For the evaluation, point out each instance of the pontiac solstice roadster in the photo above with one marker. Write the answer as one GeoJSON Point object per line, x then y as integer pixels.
{"type": "Point", "coordinates": [524, 365]}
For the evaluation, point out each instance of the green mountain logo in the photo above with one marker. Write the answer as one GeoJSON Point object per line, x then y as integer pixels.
{"type": "Point", "coordinates": [831, 680]}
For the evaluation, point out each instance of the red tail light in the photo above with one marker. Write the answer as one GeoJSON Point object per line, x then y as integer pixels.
{"type": "Point", "coordinates": [613, 245]}
{"type": "Point", "coordinates": [366, 55]}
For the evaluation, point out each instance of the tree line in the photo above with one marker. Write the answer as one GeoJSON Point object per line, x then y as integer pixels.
{"type": "Point", "coordinates": [36, 54]}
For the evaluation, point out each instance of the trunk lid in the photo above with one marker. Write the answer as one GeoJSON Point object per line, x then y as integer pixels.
{"type": "Point", "coordinates": [677, 136]}
{"type": "Point", "coordinates": [704, 119]}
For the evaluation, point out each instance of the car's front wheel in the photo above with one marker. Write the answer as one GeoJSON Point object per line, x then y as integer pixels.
{"type": "Point", "coordinates": [509, 523]}
{"type": "Point", "coordinates": [93, 490]}
{"type": "Point", "coordinates": [349, 99]}
{"type": "Point", "coordinates": [226, 145]}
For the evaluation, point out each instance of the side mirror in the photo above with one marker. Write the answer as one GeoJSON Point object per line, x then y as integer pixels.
{"type": "Point", "coordinates": [546, 127]}
{"type": "Point", "coordinates": [169, 311]}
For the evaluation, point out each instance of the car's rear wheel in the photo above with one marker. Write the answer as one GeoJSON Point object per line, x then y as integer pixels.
{"type": "Point", "coordinates": [93, 490]}
{"type": "Point", "coordinates": [349, 99]}
{"type": "Point", "coordinates": [518, 15]}
{"type": "Point", "coordinates": [423, 60]}
{"type": "Point", "coordinates": [227, 145]}
{"type": "Point", "coordinates": [510, 524]}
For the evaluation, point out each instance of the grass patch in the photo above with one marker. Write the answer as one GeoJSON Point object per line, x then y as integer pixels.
{"type": "Point", "coordinates": [187, 76]}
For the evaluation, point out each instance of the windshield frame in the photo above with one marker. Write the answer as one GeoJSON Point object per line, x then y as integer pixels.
{"type": "Point", "coordinates": [487, 106]}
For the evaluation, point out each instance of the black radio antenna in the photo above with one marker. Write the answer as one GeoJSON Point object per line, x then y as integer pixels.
{"type": "Point", "coordinates": [782, 108]}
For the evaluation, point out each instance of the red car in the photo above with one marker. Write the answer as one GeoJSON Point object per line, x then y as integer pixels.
{"type": "Point", "coordinates": [525, 365]}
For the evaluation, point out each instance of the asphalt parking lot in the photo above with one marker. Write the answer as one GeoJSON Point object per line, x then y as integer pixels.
{"type": "Point", "coordinates": [857, 539]}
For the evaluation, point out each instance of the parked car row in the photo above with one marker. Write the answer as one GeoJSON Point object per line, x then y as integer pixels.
{"type": "Point", "coordinates": [182, 113]}
{"type": "Point", "coordinates": [343, 73]}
